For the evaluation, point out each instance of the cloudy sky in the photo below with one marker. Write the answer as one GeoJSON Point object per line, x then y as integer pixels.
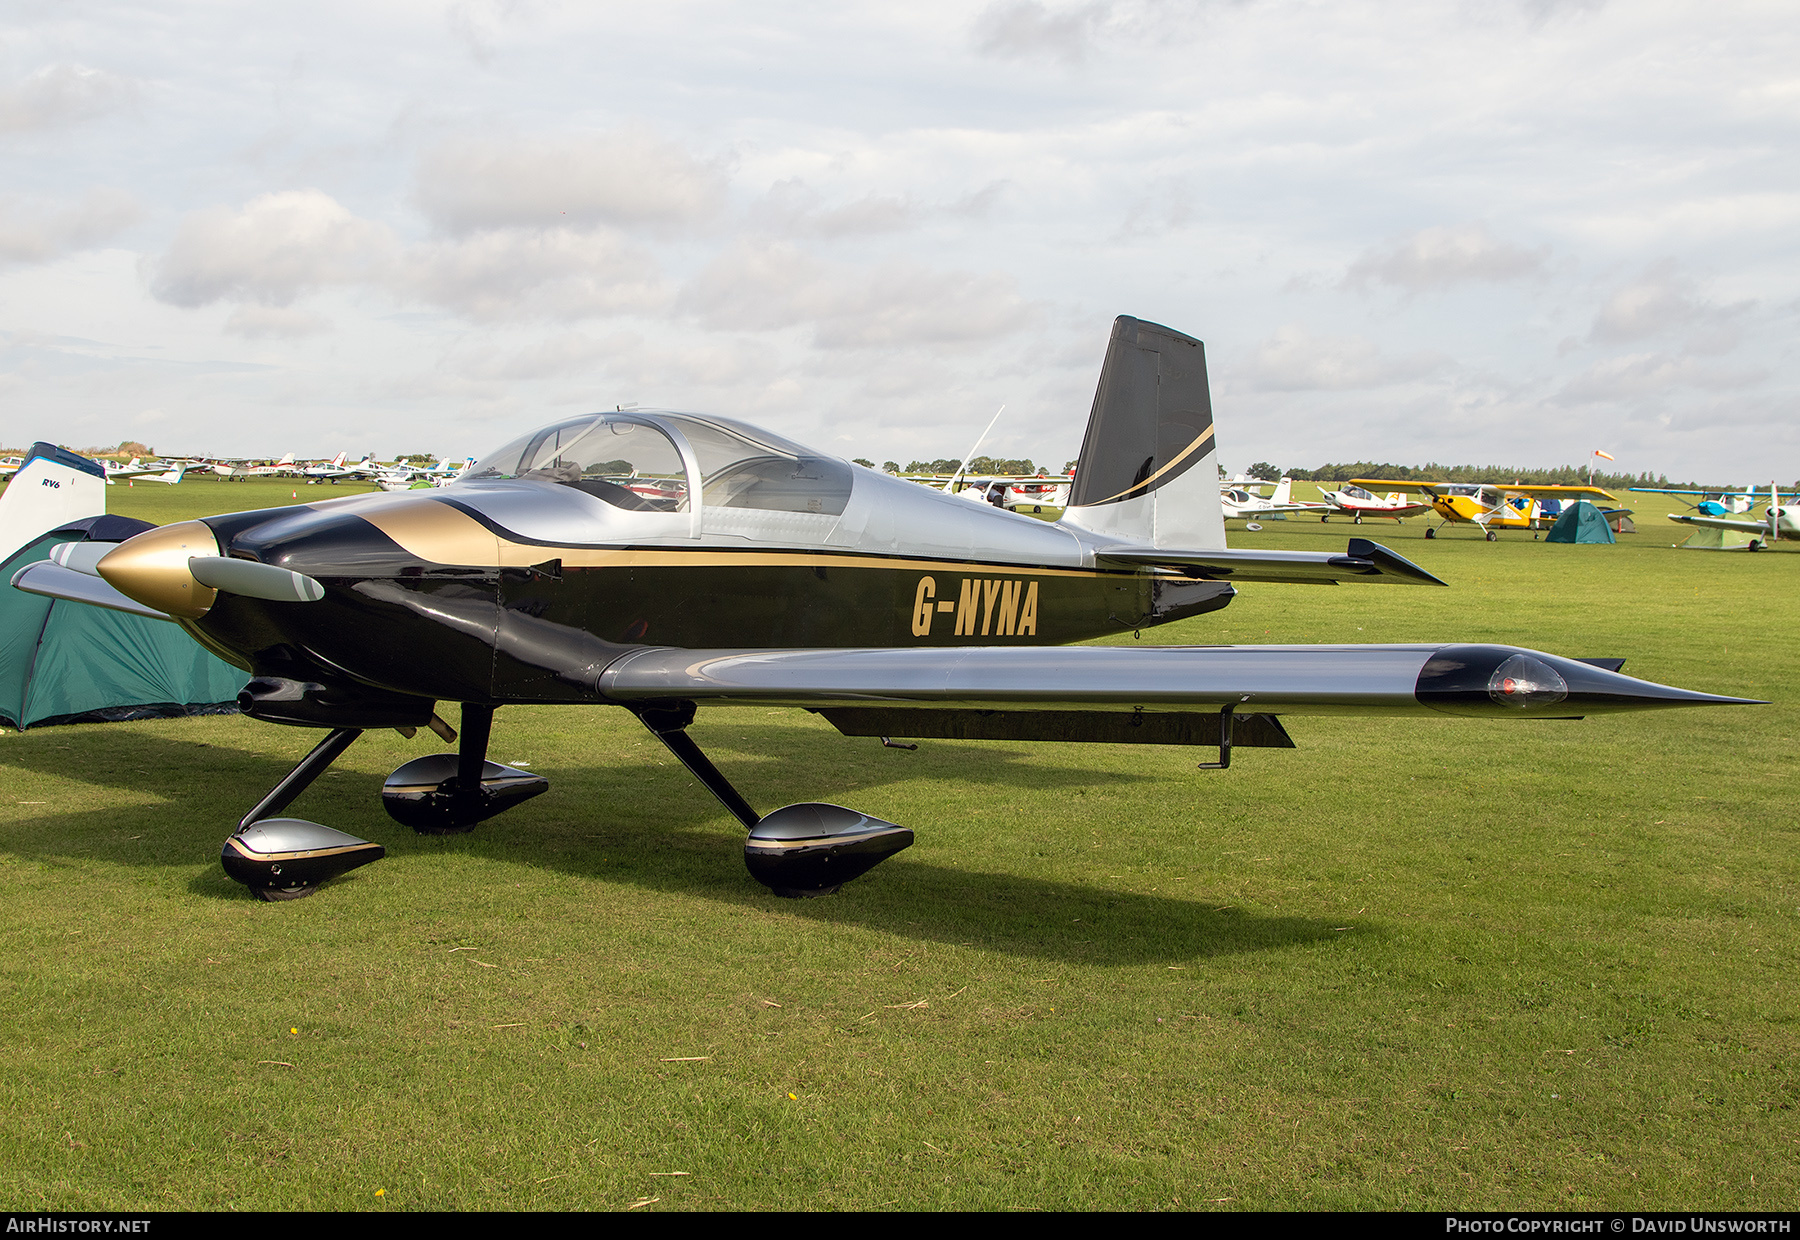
{"type": "Point", "coordinates": [1489, 231]}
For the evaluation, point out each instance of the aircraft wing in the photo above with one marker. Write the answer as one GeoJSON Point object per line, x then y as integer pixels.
{"type": "Point", "coordinates": [1363, 561]}
{"type": "Point", "coordinates": [1554, 492]}
{"type": "Point", "coordinates": [1509, 488]}
{"type": "Point", "coordinates": [1370, 484]}
{"type": "Point", "coordinates": [1129, 680]}
{"type": "Point", "coordinates": [1722, 523]}
{"type": "Point", "coordinates": [1274, 508]}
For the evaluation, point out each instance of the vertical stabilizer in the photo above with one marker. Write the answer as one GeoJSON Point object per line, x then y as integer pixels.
{"type": "Point", "coordinates": [53, 488]}
{"type": "Point", "coordinates": [1148, 473]}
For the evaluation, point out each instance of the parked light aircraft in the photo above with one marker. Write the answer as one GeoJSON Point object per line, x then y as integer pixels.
{"type": "Point", "coordinates": [661, 561]}
{"type": "Point", "coordinates": [1497, 506]}
{"type": "Point", "coordinates": [335, 469]}
{"type": "Point", "coordinates": [1715, 503]}
{"type": "Point", "coordinates": [1352, 499]}
{"type": "Point", "coordinates": [1781, 522]}
{"type": "Point", "coordinates": [235, 468]}
{"type": "Point", "coordinates": [1238, 499]}
{"type": "Point", "coordinates": [136, 469]}
{"type": "Point", "coordinates": [172, 477]}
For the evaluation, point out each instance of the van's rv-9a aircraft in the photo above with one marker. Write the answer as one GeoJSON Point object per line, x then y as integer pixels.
{"type": "Point", "coordinates": [663, 561]}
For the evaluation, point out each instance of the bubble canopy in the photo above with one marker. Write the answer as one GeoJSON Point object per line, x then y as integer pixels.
{"type": "Point", "coordinates": [657, 462]}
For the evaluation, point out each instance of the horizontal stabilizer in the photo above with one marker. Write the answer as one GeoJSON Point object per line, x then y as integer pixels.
{"type": "Point", "coordinates": [1364, 561]}
{"type": "Point", "coordinates": [52, 580]}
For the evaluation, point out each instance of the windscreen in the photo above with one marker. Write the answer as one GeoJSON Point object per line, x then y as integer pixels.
{"type": "Point", "coordinates": [626, 463]}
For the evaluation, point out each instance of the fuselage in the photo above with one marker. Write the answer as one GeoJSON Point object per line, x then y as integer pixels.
{"type": "Point", "coordinates": [576, 545]}
{"type": "Point", "coordinates": [1361, 503]}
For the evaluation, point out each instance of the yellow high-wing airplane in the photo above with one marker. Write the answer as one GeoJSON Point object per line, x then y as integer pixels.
{"type": "Point", "coordinates": [1498, 506]}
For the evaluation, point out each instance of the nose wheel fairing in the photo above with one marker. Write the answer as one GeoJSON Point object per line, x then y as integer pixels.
{"type": "Point", "coordinates": [428, 795]}
{"type": "Point", "coordinates": [287, 858]}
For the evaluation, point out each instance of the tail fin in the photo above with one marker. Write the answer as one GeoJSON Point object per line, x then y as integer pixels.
{"type": "Point", "coordinates": [1284, 493]}
{"type": "Point", "coordinates": [1148, 471]}
{"type": "Point", "coordinates": [51, 489]}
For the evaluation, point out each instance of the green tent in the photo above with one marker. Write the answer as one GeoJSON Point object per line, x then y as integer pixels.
{"type": "Point", "coordinates": [63, 662]}
{"type": "Point", "coordinates": [1581, 522]}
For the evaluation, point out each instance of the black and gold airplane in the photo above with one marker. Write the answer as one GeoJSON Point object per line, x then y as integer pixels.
{"type": "Point", "coordinates": [659, 561]}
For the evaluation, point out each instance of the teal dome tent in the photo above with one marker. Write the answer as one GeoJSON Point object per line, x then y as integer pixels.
{"type": "Point", "coordinates": [1580, 522]}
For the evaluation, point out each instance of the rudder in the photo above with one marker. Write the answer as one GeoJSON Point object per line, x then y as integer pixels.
{"type": "Point", "coordinates": [1148, 470]}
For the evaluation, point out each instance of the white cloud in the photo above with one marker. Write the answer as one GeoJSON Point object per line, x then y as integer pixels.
{"type": "Point", "coordinates": [270, 251]}
{"type": "Point", "coordinates": [622, 178]}
{"type": "Point", "coordinates": [1661, 299]}
{"type": "Point", "coordinates": [61, 95]}
{"type": "Point", "coordinates": [1638, 376]}
{"type": "Point", "coordinates": [1294, 361]}
{"type": "Point", "coordinates": [32, 232]}
{"type": "Point", "coordinates": [1070, 34]}
{"type": "Point", "coordinates": [1026, 29]}
{"type": "Point", "coordinates": [517, 273]}
{"type": "Point", "coordinates": [273, 322]}
{"type": "Point", "coordinates": [793, 207]}
{"type": "Point", "coordinates": [767, 286]}
{"type": "Point", "coordinates": [1435, 259]}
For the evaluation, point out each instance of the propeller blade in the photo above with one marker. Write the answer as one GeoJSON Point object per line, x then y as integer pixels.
{"type": "Point", "coordinates": [81, 556]}
{"type": "Point", "coordinates": [253, 580]}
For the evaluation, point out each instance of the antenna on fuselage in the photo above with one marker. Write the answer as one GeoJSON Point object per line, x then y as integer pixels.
{"type": "Point", "coordinates": [950, 487]}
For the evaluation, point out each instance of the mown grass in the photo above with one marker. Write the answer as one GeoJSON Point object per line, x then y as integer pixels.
{"type": "Point", "coordinates": [1413, 963]}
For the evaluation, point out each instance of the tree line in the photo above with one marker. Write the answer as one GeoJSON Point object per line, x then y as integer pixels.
{"type": "Point", "coordinates": [1561, 475]}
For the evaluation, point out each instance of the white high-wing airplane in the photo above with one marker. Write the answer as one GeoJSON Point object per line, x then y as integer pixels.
{"type": "Point", "coordinates": [1781, 522]}
{"type": "Point", "coordinates": [237, 469]}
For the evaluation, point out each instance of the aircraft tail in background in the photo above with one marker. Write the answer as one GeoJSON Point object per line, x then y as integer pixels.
{"type": "Point", "coordinates": [53, 488]}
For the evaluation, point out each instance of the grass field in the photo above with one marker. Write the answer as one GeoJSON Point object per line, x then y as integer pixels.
{"type": "Point", "coordinates": [1411, 964]}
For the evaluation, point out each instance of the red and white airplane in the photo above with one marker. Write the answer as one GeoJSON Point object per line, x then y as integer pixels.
{"type": "Point", "coordinates": [1358, 503]}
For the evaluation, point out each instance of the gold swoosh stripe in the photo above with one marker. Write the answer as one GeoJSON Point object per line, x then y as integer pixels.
{"type": "Point", "coordinates": [1199, 439]}
{"type": "Point", "coordinates": [444, 535]}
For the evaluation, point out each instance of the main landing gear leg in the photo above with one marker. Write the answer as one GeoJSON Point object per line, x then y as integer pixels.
{"type": "Point", "coordinates": [287, 858]}
{"type": "Point", "coordinates": [809, 849]}
{"type": "Point", "coordinates": [449, 793]}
